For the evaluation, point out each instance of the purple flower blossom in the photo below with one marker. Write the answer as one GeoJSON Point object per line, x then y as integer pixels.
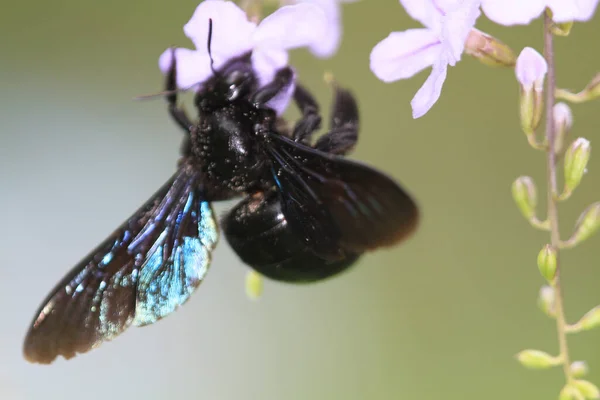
{"type": "Point", "coordinates": [513, 12]}
{"type": "Point", "coordinates": [233, 35]}
{"type": "Point", "coordinates": [531, 69]}
{"type": "Point", "coordinates": [441, 43]}
{"type": "Point", "coordinates": [330, 42]}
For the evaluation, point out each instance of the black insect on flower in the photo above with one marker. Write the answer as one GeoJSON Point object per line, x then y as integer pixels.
{"type": "Point", "coordinates": [307, 213]}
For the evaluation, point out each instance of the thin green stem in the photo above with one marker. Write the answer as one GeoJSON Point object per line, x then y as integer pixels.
{"type": "Point", "coordinates": [561, 324]}
{"type": "Point", "coordinates": [541, 225]}
{"type": "Point", "coordinates": [531, 139]}
{"type": "Point", "coordinates": [564, 94]}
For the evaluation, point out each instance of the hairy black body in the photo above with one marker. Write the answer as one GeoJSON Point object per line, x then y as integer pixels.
{"type": "Point", "coordinates": [307, 213]}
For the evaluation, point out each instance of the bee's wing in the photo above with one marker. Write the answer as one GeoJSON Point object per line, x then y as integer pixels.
{"type": "Point", "coordinates": [139, 274]}
{"type": "Point", "coordinates": [336, 203]}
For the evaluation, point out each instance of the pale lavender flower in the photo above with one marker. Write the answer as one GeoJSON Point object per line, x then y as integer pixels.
{"type": "Point", "coordinates": [330, 42]}
{"type": "Point", "coordinates": [522, 12]}
{"type": "Point", "coordinates": [289, 27]}
{"type": "Point", "coordinates": [531, 69]}
{"type": "Point", "coordinates": [441, 43]}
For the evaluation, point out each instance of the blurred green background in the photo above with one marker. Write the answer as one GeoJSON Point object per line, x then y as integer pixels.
{"type": "Point", "coordinates": [438, 317]}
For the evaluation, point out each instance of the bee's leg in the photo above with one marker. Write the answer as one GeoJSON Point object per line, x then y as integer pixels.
{"type": "Point", "coordinates": [176, 112]}
{"type": "Point", "coordinates": [343, 133]}
{"type": "Point", "coordinates": [282, 82]}
{"type": "Point", "coordinates": [311, 120]}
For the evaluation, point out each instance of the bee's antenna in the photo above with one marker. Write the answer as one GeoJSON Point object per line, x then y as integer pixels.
{"type": "Point", "coordinates": [212, 67]}
{"type": "Point", "coordinates": [210, 31]}
{"type": "Point", "coordinates": [165, 92]}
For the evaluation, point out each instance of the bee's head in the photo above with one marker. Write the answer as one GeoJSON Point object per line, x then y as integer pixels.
{"type": "Point", "coordinates": [235, 80]}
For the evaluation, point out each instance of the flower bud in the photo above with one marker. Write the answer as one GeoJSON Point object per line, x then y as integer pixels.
{"type": "Point", "coordinates": [561, 28]}
{"type": "Point", "coordinates": [587, 389]}
{"type": "Point", "coordinates": [592, 90]}
{"type": "Point", "coordinates": [546, 301]}
{"type": "Point", "coordinates": [537, 359]}
{"type": "Point", "coordinates": [531, 70]}
{"type": "Point", "coordinates": [586, 225]}
{"type": "Point", "coordinates": [254, 285]}
{"type": "Point", "coordinates": [579, 369]}
{"type": "Point", "coordinates": [525, 195]}
{"type": "Point", "coordinates": [547, 262]}
{"type": "Point", "coordinates": [563, 122]}
{"type": "Point", "coordinates": [489, 50]}
{"type": "Point", "coordinates": [570, 392]}
{"type": "Point", "coordinates": [590, 320]}
{"type": "Point", "coordinates": [576, 159]}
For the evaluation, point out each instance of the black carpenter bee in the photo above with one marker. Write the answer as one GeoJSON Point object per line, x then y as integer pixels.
{"type": "Point", "coordinates": [307, 212]}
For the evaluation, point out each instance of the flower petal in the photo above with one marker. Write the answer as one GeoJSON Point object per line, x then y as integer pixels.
{"type": "Point", "coordinates": [423, 11]}
{"type": "Point", "coordinates": [431, 90]}
{"type": "Point", "coordinates": [530, 68]}
{"type": "Point", "coordinates": [513, 12]}
{"type": "Point", "coordinates": [586, 9]}
{"type": "Point", "coordinates": [290, 27]}
{"type": "Point", "coordinates": [456, 25]}
{"type": "Point", "coordinates": [329, 42]}
{"type": "Point", "coordinates": [193, 67]}
{"type": "Point", "coordinates": [266, 62]}
{"type": "Point", "coordinates": [563, 11]}
{"type": "Point", "coordinates": [403, 54]}
{"type": "Point", "coordinates": [231, 31]}
{"type": "Point", "coordinates": [573, 10]}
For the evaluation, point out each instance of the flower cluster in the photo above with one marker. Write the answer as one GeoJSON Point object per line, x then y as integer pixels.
{"type": "Point", "coordinates": [439, 45]}
{"type": "Point", "coordinates": [301, 23]}
{"type": "Point", "coordinates": [449, 31]}
{"type": "Point", "coordinates": [531, 70]}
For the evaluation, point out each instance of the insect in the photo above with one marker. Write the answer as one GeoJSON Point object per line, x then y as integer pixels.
{"type": "Point", "coordinates": [307, 212]}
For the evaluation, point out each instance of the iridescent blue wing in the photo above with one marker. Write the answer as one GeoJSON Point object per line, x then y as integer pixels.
{"type": "Point", "coordinates": [337, 206]}
{"type": "Point", "coordinates": [139, 274]}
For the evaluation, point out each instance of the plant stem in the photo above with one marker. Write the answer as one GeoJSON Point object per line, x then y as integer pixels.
{"type": "Point", "coordinates": [561, 324]}
{"type": "Point", "coordinates": [568, 96]}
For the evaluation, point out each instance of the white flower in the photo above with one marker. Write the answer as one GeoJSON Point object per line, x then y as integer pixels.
{"type": "Point", "coordinates": [233, 35]}
{"type": "Point", "coordinates": [330, 42]}
{"type": "Point", "coordinates": [513, 12]}
{"type": "Point", "coordinates": [531, 69]}
{"type": "Point", "coordinates": [441, 43]}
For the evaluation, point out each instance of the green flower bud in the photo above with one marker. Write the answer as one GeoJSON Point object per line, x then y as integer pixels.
{"type": "Point", "coordinates": [530, 109]}
{"type": "Point", "coordinates": [561, 29]}
{"type": "Point", "coordinates": [563, 122]}
{"type": "Point", "coordinates": [590, 320]}
{"type": "Point", "coordinates": [592, 90]}
{"type": "Point", "coordinates": [546, 301]}
{"type": "Point", "coordinates": [587, 389]}
{"type": "Point", "coordinates": [579, 369]}
{"type": "Point", "coordinates": [587, 224]}
{"type": "Point", "coordinates": [537, 359]}
{"type": "Point", "coordinates": [254, 285]}
{"type": "Point", "coordinates": [570, 392]}
{"type": "Point", "coordinates": [547, 262]}
{"type": "Point", "coordinates": [489, 50]}
{"type": "Point", "coordinates": [576, 159]}
{"type": "Point", "coordinates": [525, 195]}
